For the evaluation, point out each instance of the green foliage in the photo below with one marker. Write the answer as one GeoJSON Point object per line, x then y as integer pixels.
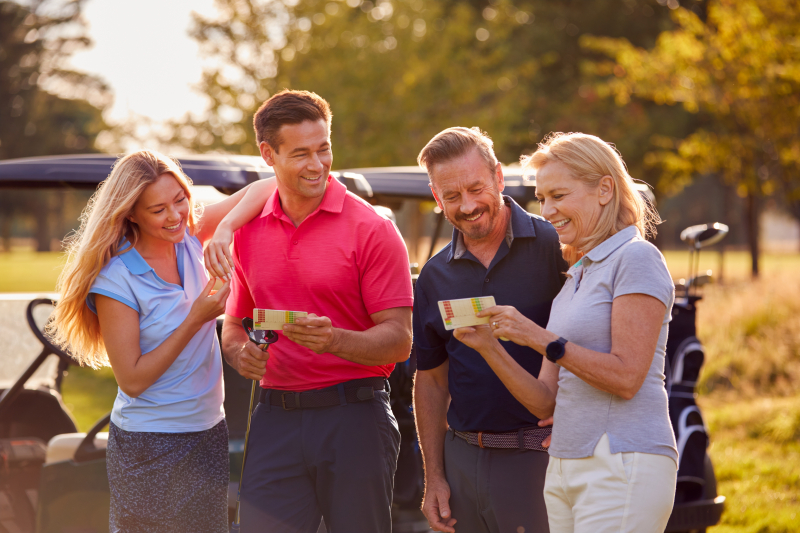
{"type": "Point", "coordinates": [35, 41]}
{"type": "Point", "coordinates": [739, 67]}
{"type": "Point", "coordinates": [398, 72]}
{"type": "Point", "coordinates": [739, 70]}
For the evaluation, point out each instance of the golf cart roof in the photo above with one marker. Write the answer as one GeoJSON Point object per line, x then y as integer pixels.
{"type": "Point", "coordinates": [412, 182]}
{"type": "Point", "coordinates": [230, 173]}
{"type": "Point", "coordinates": [225, 172]}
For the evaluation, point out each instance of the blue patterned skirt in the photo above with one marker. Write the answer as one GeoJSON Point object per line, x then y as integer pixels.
{"type": "Point", "coordinates": [168, 482]}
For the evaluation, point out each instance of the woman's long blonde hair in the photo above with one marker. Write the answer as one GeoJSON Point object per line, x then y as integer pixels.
{"type": "Point", "coordinates": [588, 159]}
{"type": "Point", "coordinates": [104, 224]}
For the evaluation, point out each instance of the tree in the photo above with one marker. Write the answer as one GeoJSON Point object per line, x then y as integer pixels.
{"type": "Point", "coordinates": [37, 119]}
{"type": "Point", "coordinates": [35, 40]}
{"type": "Point", "coordinates": [739, 72]}
{"type": "Point", "coordinates": [398, 72]}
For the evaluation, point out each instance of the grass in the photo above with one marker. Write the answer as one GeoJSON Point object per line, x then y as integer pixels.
{"type": "Point", "coordinates": [24, 271]}
{"type": "Point", "coordinates": [89, 394]}
{"type": "Point", "coordinates": [749, 397]}
{"type": "Point", "coordinates": [748, 388]}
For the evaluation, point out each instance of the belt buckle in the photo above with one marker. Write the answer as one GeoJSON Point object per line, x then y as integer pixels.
{"type": "Point", "coordinates": [296, 401]}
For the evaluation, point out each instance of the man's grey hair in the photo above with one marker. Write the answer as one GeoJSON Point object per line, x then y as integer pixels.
{"type": "Point", "coordinates": [455, 142]}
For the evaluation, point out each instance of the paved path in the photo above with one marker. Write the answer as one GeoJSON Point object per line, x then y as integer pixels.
{"type": "Point", "coordinates": [18, 346]}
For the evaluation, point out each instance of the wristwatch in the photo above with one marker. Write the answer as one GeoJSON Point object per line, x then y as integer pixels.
{"type": "Point", "coordinates": [555, 350]}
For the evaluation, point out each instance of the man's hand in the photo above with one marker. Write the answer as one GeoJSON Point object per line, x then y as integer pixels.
{"type": "Point", "coordinates": [314, 332]}
{"type": "Point", "coordinates": [544, 423]}
{"type": "Point", "coordinates": [436, 505]}
{"type": "Point", "coordinates": [250, 361]}
{"type": "Point", "coordinates": [479, 338]}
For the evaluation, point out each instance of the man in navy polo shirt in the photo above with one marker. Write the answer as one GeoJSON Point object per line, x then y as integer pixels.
{"type": "Point", "coordinates": [486, 470]}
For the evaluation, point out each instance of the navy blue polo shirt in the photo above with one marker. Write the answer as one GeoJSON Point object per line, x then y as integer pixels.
{"type": "Point", "coordinates": [527, 272]}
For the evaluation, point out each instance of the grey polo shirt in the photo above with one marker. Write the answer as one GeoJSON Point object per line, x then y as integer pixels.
{"type": "Point", "coordinates": [623, 264]}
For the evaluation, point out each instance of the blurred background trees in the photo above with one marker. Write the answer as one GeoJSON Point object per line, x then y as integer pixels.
{"type": "Point", "coordinates": [738, 70]}
{"type": "Point", "coordinates": [683, 89]}
{"type": "Point", "coordinates": [45, 108]}
{"type": "Point", "coordinates": [398, 72]}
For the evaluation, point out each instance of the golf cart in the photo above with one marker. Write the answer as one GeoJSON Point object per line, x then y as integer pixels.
{"type": "Point", "coordinates": [53, 479]}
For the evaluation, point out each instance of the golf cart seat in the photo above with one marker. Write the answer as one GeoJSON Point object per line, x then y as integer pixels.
{"type": "Point", "coordinates": [63, 447]}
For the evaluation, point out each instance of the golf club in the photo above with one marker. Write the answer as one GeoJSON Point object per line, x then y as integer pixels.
{"type": "Point", "coordinates": [262, 338]}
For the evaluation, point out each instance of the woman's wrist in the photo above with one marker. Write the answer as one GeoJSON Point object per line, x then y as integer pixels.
{"type": "Point", "coordinates": [225, 225]}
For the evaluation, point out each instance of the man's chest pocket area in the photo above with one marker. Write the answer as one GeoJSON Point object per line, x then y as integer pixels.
{"type": "Point", "coordinates": [334, 271]}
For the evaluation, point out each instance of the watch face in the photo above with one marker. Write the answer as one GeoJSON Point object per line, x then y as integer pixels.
{"type": "Point", "coordinates": [555, 351]}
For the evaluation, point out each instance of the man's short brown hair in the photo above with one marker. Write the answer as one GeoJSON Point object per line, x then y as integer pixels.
{"type": "Point", "coordinates": [455, 142]}
{"type": "Point", "coordinates": [288, 107]}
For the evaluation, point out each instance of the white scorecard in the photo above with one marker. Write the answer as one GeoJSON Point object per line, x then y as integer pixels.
{"type": "Point", "coordinates": [461, 313]}
{"type": "Point", "coordinates": [274, 319]}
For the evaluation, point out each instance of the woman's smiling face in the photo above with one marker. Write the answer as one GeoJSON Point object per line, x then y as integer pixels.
{"type": "Point", "coordinates": [162, 210]}
{"type": "Point", "coordinates": [570, 205]}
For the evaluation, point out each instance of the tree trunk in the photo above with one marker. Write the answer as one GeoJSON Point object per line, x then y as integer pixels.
{"type": "Point", "coordinates": [753, 231]}
{"type": "Point", "coordinates": [5, 230]}
{"type": "Point", "coordinates": [42, 211]}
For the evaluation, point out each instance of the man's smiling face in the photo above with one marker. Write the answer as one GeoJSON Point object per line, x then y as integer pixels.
{"type": "Point", "coordinates": [303, 160]}
{"type": "Point", "coordinates": [468, 193]}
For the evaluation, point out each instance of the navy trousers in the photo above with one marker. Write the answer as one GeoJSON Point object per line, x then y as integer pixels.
{"type": "Point", "coordinates": [332, 462]}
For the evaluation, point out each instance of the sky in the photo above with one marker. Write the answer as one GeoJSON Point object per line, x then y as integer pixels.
{"type": "Point", "coordinates": [143, 51]}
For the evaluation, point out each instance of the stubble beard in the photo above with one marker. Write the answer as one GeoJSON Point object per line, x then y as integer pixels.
{"type": "Point", "coordinates": [476, 234]}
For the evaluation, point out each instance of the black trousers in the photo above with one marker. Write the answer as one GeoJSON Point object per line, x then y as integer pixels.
{"type": "Point", "coordinates": [495, 490]}
{"type": "Point", "coordinates": [332, 462]}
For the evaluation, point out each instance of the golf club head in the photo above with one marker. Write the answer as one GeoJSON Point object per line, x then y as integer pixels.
{"type": "Point", "coordinates": [262, 337]}
{"type": "Point", "coordinates": [704, 235]}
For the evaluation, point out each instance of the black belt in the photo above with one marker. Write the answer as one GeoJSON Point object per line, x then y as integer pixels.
{"type": "Point", "coordinates": [357, 390]}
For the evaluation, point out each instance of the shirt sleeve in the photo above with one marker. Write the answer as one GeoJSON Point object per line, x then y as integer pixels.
{"type": "Point", "coordinates": [384, 270]}
{"type": "Point", "coordinates": [112, 282]}
{"type": "Point", "coordinates": [240, 302]}
{"type": "Point", "coordinates": [641, 269]}
{"type": "Point", "coordinates": [430, 347]}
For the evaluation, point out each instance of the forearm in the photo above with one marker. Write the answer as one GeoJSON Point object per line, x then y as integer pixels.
{"type": "Point", "coordinates": [430, 410]}
{"type": "Point", "coordinates": [233, 338]}
{"type": "Point", "coordinates": [533, 393]}
{"type": "Point", "coordinates": [236, 210]}
{"type": "Point", "coordinates": [604, 371]}
{"type": "Point", "coordinates": [251, 203]}
{"type": "Point", "coordinates": [382, 344]}
{"type": "Point", "coordinates": [146, 370]}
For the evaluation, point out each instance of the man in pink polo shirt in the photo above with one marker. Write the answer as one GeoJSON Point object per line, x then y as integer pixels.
{"type": "Point", "coordinates": [323, 440]}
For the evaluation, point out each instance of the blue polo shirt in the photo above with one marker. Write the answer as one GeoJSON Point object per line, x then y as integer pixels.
{"type": "Point", "coordinates": [188, 396]}
{"type": "Point", "coordinates": [527, 272]}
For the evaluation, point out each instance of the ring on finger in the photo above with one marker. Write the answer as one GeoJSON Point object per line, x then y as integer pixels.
{"type": "Point", "coordinates": [494, 325]}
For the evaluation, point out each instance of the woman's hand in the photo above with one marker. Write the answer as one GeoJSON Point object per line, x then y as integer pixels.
{"type": "Point", "coordinates": [207, 306]}
{"type": "Point", "coordinates": [544, 423]}
{"type": "Point", "coordinates": [479, 338]}
{"type": "Point", "coordinates": [509, 324]}
{"type": "Point", "coordinates": [217, 254]}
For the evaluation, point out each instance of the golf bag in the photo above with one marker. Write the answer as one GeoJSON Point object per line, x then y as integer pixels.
{"type": "Point", "coordinates": [685, 356]}
{"type": "Point", "coordinates": [409, 478]}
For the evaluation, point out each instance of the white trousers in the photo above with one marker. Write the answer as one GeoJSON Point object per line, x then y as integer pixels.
{"type": "Point", "coordinates": [619, 493]}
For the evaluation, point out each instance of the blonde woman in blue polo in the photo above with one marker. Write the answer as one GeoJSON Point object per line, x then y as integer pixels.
{"type": "Point", "coordinates": [135, 296]}
{"type": "Point", "coordinates": [613, 459]}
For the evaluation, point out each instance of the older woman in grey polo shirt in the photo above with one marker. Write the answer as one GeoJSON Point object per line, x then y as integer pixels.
{"type": "Point", "coordinates": [613, 457]}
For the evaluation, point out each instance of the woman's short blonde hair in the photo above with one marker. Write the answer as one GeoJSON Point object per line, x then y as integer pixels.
{"type": "Point", "coordinates": [589, 159]}
{"type": "Point", "coordinates": [104, 224]}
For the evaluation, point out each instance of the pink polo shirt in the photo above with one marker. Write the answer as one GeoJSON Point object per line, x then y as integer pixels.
{"type": "Point", "coordinates": [344, 261]}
